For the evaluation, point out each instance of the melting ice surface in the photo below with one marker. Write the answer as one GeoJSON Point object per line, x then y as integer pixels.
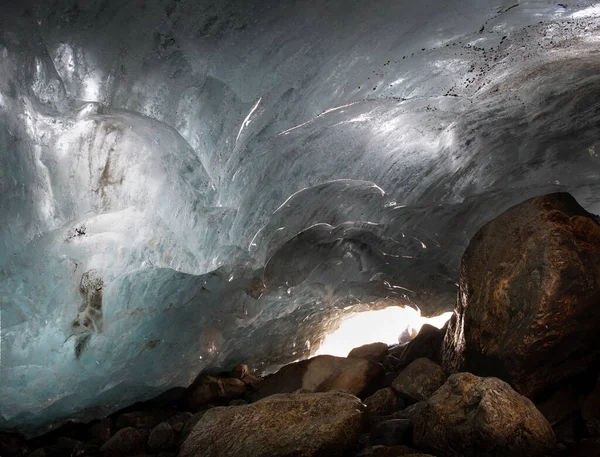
{"type": "Point", "coordinates": [189, 185]}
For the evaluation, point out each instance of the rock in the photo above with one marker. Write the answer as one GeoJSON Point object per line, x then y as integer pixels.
{"type": "Point", "coordinates": [392, 432]}
{"type": "Point", "coordinates": [591, 412]}
{"type": "Point", "coordinates": [528, 297]}
{"type": "Point", "coordinates": [179, 418]}
{"type": "Point", "coordinates": [208, 389]}
{"type": "Point", "coordinates": [126, 442]}
{"type": "Point", "coordinates": [428, 343]}
{"type": "Point", "coordinates": [148, 418]}
{"type": "Point", "coordinates": [239, 372]}
{"type": "Point", "coordinates": [10, 444]}
{"type": "Point", "coordinates": [383, 402]}
{"type": "Point", "coordinates": [39, 452]}
{"type": "Point", "coordinates": [238, 402]}
{"type": "Point", "coordinates": [190, 424]}
{"type": "Point", "coordinates": [360, 377]}
{"type": "Point", "coordinates": [561, 405]}
{"type": "Point", "coordinates": [419, 380]}
{"type": "Point", "coordinates": [390, 363]}
{"type": "Point", "coordinates": [374, 351]}
{"type": "Point", "coordinates": [481, 417]}
{"type": "Point", "coordinates": [390, 451]}
{"type": "Point", "coordinates": [99, 432]}
{"type": "Point", "coordinates": [306, 425]}
{"type": "Point", "coordinates": [162, 437]}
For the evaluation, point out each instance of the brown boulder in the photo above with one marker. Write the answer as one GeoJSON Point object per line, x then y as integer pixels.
{"type": "Point", "coordinates": [147, 418]}
{"type": "Point", "coordinates": [383, 402]}
{"type": "Point", "coordinates": [374, 351]}
{"type": "Point", "coordinates": [528, 298]}
{"type": "Point", "coordinates": [99, 432]}
{"type": "Point", "coordinates": [126, 442]}
{"type": "Point", "coordinates": [419, 380]}
{"type": "Point", "coordinates": [359, 377]}
{"type": "Point", "coordinates": [481, 417]}
{"type": "Point", "coordinates": [428, 343]}
{"type": "Point", "coordinates": [162, 437]}
{"type": "Point", "coordinates": [561, 405]}
{"type": "Point", "coordinates": [208, 389]}
{"type": "Point", "coordinates": [282, 425]}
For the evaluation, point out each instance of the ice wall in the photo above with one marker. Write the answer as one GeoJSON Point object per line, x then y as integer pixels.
{"type": "Point", "coordinates": [189, 185]}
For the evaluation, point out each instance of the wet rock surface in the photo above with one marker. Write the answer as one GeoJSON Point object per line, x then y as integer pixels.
{"type": "Point", "coordinates": [528, 300]}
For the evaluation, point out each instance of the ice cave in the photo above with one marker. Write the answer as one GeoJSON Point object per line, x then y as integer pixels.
{"type": "Point", "coordinates": [186, 186]}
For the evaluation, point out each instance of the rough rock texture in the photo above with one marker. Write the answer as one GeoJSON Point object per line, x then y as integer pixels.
{"type": "Point", "coordinates": [162, 437]}
{"type": "Point", "coordinates": [281, 425]}
{"type": "Point", "coordinates": [390, 451]}
{"type": "Point", "coordinates": [561, 405]}
{"type": "Point", "coordinates": [360, 377]}
{"type": "Point", "coordinates": [126, 442]}
{"type": "Point", "coordinates": [373, 351]}
{"type": "Point", "coordinates": [148, 418]}
{"type": "Point", "coordinates": [392, 432]}
{"type": "Point", "coordinates": [481, 417]}
{"type": "Point", "coordinates": [208, 389]}
{"type": "Point", "coordinates": [419, 380]}
{"type": "Point", "coordinates": [591, 412]}
{"type": "Point", "coordinates": [428, 343]}
{"type": "Point", "coordinates": [383, 402]}
{"type": "Point", "coordinates": [528, 299]}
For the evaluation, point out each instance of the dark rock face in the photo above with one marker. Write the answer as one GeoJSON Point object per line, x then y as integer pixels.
{"type": "Point", "coordinates": [428, 343]}
{"type": "Point", "coordinates": [207, 389]}
{"type": "Point", "coordinates": [591, 412]}
{"type": "Point", "coordinates": [391, 451]}
{"type": "Point", "coordinates": [282, 425]}
{"type": "Point", "coordinates": [127, 441]}
{"type": "Point", "coordinates": [373, 351]}
{"type": "Point", "coordinates": [419, 380]}
{"type": "Point", "coordinates": [392, 432]}
{"type": "Point", "coordinates": [471, 416]}
{"type": "Point", "coordinates": [360, 377]}
{"type": "Point", "coordinates": [528, 300]}
{"type": "Point", "coordinates": [383, 402]}
{"type": "Point", "coordinates": [162, 437]}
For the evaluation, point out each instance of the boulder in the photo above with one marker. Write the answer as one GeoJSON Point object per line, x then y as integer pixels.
{"type": "Point", "coordinates": [374, 351]}
{"type": "Point", "coordinates": [281, 425]}
{"type": "Point", "coordinates": [419, 380]}
{"type": "Point", "coordinates": [428, 343]}
{"type": "Point", "coordinates": [383, 402]}
{"type": "Point", "coordinates": [528, 297]}
{"type": "Point", "coordinates": [360, 377]}
{"type": "Point", "coordinates": [126, 442]}
{"type": "Point", "coordinates": [591, 412]}
{"type": "Point", "coordinates": [146, 418]}
{"type": "Point", "coordinates": [208, 389]}
{"type": "Point", "coordinates": [471, 416]}
{"type": "Point", "coordinates": [392, 432]}
{"type": "Point", "coordinates": [561, 405]}
{"type": "Point", "coordinates": [162, 437]}
{"type": "Point", "coordinates": [99, 432]}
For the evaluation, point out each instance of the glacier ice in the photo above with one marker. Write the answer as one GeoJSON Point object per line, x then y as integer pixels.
{"type": "Point", "coordinates": [189, 185]}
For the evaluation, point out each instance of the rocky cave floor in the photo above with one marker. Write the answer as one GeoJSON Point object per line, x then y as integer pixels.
{"type": "Point", "coordinates": [416, 399]}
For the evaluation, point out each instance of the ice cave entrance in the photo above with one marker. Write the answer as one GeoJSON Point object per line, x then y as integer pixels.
{"type": "Point", "coordinates": [390, 325]}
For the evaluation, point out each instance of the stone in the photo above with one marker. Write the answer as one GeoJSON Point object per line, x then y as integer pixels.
{"type": "Point", "coordinates": [374, 351]}
{"type": "Point", "coordinates": [591, 412]}
{"type": "Point", "coordinates": [242, 373]}
{"type": "Point", "coordinates": [528, 297]}
{"type": "Point", "coordinates": [162, 437]}
{"type": "Point", "coordinates": [208, 389]}
{"type": "Point", "coordinates": [390, 363]}
{"type": "Point", "coordinates": [10, 444]}
{"type": "Point", "coordinates": [306, 425]}
{"type": "Point", "coordinates": [561, 405]}
{"type": "Point", "coordinates": [239, 372]}
{"type": "Point", "coordinates": [126, 442]}
{"type": "Point", "coordinates": [99, 432]}
{"type": "Point", "coordinates": [179, 418]}
{"type": "Point", "coordinates": [360, 377]}
{"type": "Point", "coordinates": [39, 452]}
{"type": "Point", "coordinates": [419, 380]}
{"type": "Point", "coordinates": [383, 402]}
{"type": "Point", "coordinates": [392, 432]}
{"type": "Point", "coordinates": [428, 343]}
{"type": "Point", "coordinates": [390, 451]}
{"type": "Point", "coordinates": [190, 424]}
{"type": "Point", "coordinates": [147, 418]}
{"type": "Point", "coordinates": [471, 416]}
{"type": "Point", "coordinates": [238, 402]}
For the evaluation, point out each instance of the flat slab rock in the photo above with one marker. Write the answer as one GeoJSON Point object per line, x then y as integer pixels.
{"type": "Point", "coordinates": [528, 297]}
{"type": "Point", "coordinates": [302, 425]}
{"type": "Point", "coordinates": [471, 416]}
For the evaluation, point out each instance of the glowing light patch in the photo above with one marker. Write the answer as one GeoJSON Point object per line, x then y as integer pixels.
{"type": "Point", "coordinates": [383, 325]}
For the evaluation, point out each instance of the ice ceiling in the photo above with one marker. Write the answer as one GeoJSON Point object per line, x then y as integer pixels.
{"type": "Point", "coordinates": [186, 185]}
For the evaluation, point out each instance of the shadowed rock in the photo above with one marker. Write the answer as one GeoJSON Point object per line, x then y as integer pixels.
{"type": "Point", "coordinates": [528, 301]}
{"type": "Point", "coordinates": [419, 380]}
